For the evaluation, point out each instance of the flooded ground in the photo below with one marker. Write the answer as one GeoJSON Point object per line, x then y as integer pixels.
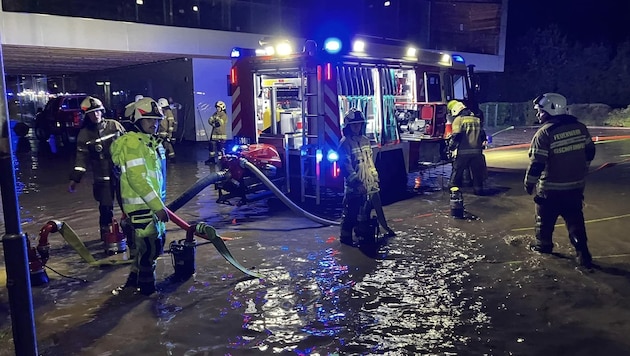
{"type": "Point", "coordinates": [442, 286]}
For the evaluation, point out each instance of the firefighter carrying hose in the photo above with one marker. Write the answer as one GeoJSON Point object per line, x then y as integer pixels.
{"type": "Point", "coordinates": [218, 122]}
{"type": "Point", "coordinates": [168, 126]}
{"type": "Point", "coordinates": [361, 192]}
{"type": "Point", "coordinates": [93, 143]}
{"type": "Point", "coordinates": [560, 153]}
{"type": "Point", "coordinates": [468, 139]}
{"type": "Point", "coordinates": [141, 182]}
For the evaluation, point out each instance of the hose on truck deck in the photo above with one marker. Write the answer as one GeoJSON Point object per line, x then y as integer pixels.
{"type": "Point", "coordinates": [246, 164]}
{"type": "Point", "coordinates": [200, 185]}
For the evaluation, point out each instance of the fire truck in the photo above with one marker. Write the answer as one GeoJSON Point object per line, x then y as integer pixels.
{"type": "Point", "coordinates": [296, 102]}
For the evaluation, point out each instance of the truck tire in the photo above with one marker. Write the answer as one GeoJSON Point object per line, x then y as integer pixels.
{"type": "Point", "coordinates": [42, 132]}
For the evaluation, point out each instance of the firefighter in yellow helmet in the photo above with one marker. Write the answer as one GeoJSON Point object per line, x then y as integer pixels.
{"type": "Point", "coordinates": [167, 128]}
{"type": "Point", "coordinates": [361, 193]}
{"type": "Point", "coordinates": [141, 182]}
{"type": "Point", "coordinates": [218, 122]}
{"type": "Point", "coordinates": [468, 138]}
{"type": "Point", "coordinates": [560, 153]}
{"type": "Point", "coordinates": [93, 143]}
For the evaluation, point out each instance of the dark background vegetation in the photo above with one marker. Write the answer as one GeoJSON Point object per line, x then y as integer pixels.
{"type": "Point", "coordinates": [579, 48]}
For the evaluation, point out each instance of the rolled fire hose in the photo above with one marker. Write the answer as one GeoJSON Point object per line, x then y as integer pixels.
{"type": "Point", "coordinates": [245, 163]}
{"type": "Point", "coordinates": [200, 185]}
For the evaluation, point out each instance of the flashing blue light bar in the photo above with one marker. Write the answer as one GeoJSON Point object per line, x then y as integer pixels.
{"type": "Point", "coordinates": [332, 156]}
{"type": "Point", "coordinates": [458, 58]}
{"type": "Point", "coordinates": [318, 155]}
{"type": "Point", "coordinates": [332, 45]}
{"type": "Point", "coordinates": [236, 52]}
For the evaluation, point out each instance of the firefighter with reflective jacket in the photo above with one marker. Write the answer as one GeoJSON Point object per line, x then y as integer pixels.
{"type": "Point", "coordinates": [560, 154]}
{"type": "Point", "coordinates": [167, 128]}
{"type": "Point", "coordinates": [468, 138]}
{"type": "Point", "coordinates": [218, 122]}
{"type": "Point", "coordinates": [141, 182]}
{"type": "Point", "coordinates": [361, 192]}
{"type": "Point", "coordinates": [93, 143]}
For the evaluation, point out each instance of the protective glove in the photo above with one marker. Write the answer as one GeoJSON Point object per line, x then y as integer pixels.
{"type": "Point", "coordinates": [161, 215]}
{"type": "Point", "coordinates": [529, 188]}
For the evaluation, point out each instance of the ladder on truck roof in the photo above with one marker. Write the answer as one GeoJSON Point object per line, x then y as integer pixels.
{"type": "Point", "coordinates": [312, 130]}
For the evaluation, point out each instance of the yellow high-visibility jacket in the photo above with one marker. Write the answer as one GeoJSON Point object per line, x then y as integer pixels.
{"type": "Point", "coordinates": [141, 181]}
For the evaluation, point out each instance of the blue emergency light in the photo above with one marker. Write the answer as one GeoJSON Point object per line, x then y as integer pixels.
{"type": "Point", "coordinates": [332, 156]}
{"type": "Point", "coordinates": [332, 45]}
{"type": "Point", "coordinates": [458, 58]}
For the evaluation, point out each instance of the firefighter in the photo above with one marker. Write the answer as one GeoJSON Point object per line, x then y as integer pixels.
{"type": "Point", "coordinates": [361, 181]}
{"type": "Point", "coordinates": [469, 139]}
{"type": "Point", "coordinates": [218, 122]}
{"type": "Point", "coordinates": [141, 183]}
{"type": "Point", "coordinates": [560, 154]}
{"type": "Point", "coordinates": [168, 126]}
{"type": "Point", "coordinates": [93, 143]}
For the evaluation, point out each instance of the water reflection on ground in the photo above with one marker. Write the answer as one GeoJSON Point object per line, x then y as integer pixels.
{"type": "Point", "coordinates": [415, 295]}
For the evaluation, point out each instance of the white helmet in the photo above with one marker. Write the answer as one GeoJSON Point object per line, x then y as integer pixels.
{"type": "Point", "coordinates": [138, 97]}
{"type": "Point", "coordinates": [551, 103]}
{"type": "Point", "coordinates": [221, 105]}
{"type": "Point", "coordinates": [91, 104]}
{"type": "Point", "coordinates": [146, 108]}
{"type": "Point", "coordinates": [162, 102]}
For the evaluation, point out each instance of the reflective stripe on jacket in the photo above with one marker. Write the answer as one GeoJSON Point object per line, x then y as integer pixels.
{"type": "Point", "coordinates": [141, 181]}
{"type": "Point", "coordinates": [93, 143]}
{"type": "Point", "coordinates": [357, 164]}
{"type": "Point", "coordinates": [468, 135]}
{"type": "Point", "coordinates": [217, 125]}
{"type": "Point", "coordinates": [560, 153]}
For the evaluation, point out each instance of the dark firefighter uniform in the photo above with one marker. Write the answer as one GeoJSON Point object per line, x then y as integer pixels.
{"type": "Point", "coordinates": [468, 139]}
{"type": "Point", "coordinates": [93, 144]}
{"type": "Point", "coordinates": [218, 122]}
{"type": "Point", "coordinates": [560, 153]}
{"type": "Point", "coordinates": [361, 191]}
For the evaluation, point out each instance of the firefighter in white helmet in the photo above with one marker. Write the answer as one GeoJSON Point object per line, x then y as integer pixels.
{"type": "Point", "coordinates": [93, 143]}
{"type": "Point", "coordinates": [141, 182]}
{"type": "Point", "coordinates": [469, 139]}
{"type": "Point", "coordinates": [361, 193]}
{"type": "Point", "coordinates": [560, 153]}
{"type": "Point", "coordinates": [167, 128]}
{"type": "Point", "coordinates": [218, 122]}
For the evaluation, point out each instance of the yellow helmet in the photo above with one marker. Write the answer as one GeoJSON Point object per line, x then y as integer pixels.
{"type": "Point", "coordinates": [454, 107]}
{"type": "Point", "coordinates": [221, 105]}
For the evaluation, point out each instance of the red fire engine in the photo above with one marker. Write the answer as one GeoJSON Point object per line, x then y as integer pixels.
{"type": "Point", "coordinates": [296, 102]}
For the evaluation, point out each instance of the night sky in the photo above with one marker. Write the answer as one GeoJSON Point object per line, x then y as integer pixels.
{"type": "Point", "coordinates": [585, 21]}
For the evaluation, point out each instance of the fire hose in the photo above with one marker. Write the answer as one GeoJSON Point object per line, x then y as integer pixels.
{"type": "Point", "coordinates": [260, 175]}
{"type": "Point", "coordinates": [206, 232]}
{"type": "Point", "coordinates": [200, 185]}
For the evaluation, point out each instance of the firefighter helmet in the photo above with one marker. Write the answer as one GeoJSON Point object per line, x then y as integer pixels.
{"type": "Point", "coordinates": [353, 116]}
{"type": "Point", "coordinates": [138, 97]}
{"type": "Point", "coordinates": [551, 103]}
{"type": "Point", "coordinates": [455, 107]}
{"type": "Point", "coordinates": [221, 105]}
{"type": "Point", "coordinates": [91, 104]}
{"type": "Point", "coordinates": [162, 102]}
{"type": "Point", "coordinates": [146, 108]}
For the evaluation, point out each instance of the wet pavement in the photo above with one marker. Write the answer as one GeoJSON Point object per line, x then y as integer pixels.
{"type": "Point", "coordinates": [442, 286]}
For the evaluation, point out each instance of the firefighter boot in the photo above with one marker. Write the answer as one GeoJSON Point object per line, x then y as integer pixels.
{"type": "Point", "coordinates": [584, 258]}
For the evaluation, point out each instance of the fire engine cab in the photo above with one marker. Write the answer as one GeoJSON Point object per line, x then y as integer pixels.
{"type": "Point", "coordinates": [296, 103]}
